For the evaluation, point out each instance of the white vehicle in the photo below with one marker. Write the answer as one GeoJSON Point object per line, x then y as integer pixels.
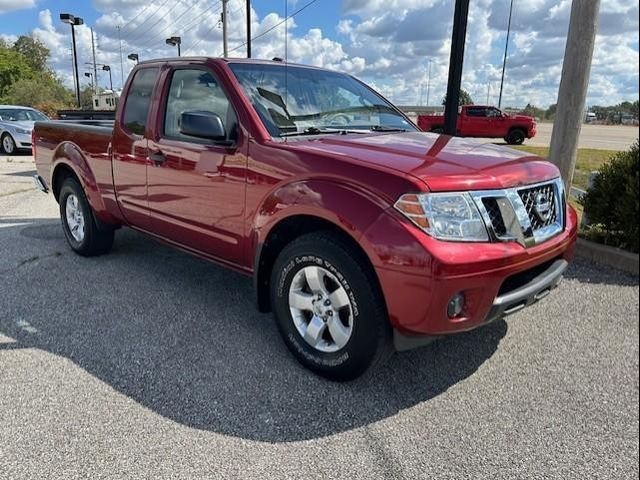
{"type": "Point", "coordinates": [16, 125]}
{"type": "Point", "coordinates": [590, 117]}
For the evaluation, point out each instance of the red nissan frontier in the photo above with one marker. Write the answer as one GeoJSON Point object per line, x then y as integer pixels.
{"type": "Point", "coordinates": [484, 122]}
{"type": "Point", "coordinates": [362, 234]}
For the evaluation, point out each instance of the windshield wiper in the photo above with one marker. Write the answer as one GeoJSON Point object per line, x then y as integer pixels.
{"type": "Point", "coordinates": [320, 131]}
{"type": "Point", "coordinates": [380, 128]}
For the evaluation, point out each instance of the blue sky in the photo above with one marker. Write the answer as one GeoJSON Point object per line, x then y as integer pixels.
{"type": "Point", "coordinates": [387, 43]}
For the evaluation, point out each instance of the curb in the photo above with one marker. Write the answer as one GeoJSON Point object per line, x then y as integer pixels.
{"type": "Point", "coordinates": [612, 257]}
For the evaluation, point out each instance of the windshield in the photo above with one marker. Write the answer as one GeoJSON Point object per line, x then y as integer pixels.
{"type": "Point", "coordinates": [22, 115]}
{"type": "Point", "coordinates": [314, 101]}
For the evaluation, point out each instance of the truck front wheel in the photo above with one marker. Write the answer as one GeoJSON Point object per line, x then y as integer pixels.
{"type": "Point", "coordinates": [328, 308]}
{"type": "Point", "coordinates": [516, 137]}
{"type": "Point", "coordinates": [78, 223]}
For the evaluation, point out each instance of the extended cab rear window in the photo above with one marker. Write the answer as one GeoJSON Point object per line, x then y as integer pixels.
{"type": "Point", "coordinates": [138, 100]}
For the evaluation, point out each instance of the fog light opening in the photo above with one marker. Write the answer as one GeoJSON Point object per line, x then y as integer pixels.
{"type": "Point", "coordinates": [456, 305]}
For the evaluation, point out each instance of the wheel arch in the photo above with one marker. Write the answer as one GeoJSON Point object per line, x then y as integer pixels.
{"type": "Point", "coordinates": [286, 231]}
{"type": "Point", "coordinates": [68, 160]}
{"type": "Point", "coordinates": [292, 209]}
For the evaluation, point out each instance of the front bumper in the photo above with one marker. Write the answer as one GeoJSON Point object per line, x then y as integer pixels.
{"type": "Point", "coordinates": [23, 140]}
{"type": "Point", "coordinates": [419, 276]}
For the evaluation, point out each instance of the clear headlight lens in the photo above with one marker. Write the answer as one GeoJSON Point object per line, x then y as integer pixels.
{"type": "Point", "coordinates": [445, 216]}
{"type": "Point", "coordinates": [22, 131]}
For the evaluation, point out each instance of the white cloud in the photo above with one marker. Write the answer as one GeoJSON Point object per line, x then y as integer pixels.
{"type": "Point", "coordinates": [12, 5]}
{"type": "Point", "coordinates": [387, 43]}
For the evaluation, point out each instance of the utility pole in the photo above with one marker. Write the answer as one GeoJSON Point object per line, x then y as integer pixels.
{"type": "Point", "coordinates": [225, 50]}
{"type": "Point", "coordinates": [95, 68]}
{"type": "Point", "coordinates": [456, 60]}
{"type": "Point", "coordinates": [248, 28]}
{"type": "Point", "coordinates": [506, 50]}
{"type": "Point", "coordinates": [574, 82]}
{"type": "Point", "coordinates": [488, 92]}
{"type": "Point", "coordinates": [121, 62]}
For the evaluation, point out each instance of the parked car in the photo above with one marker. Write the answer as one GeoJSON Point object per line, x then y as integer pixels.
{"type": "Point", "coordinates": [361, 233]}
{"type": "Point", "coordinates": [486, 122]}
{"type": "Point", "coordinates": [16, 125]}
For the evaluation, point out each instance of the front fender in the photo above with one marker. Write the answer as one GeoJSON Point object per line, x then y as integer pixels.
{"type": "Point", "coordinates": [346, 206]}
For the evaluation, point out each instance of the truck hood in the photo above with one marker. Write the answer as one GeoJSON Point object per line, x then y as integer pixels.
{"type": "Point", "coordinates": [443, 162]}
{"type": "Point", "coordinates": [522, 118]}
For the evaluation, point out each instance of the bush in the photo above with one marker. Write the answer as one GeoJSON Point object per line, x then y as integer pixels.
{"type": "Point", "coordinates": [612, 203]}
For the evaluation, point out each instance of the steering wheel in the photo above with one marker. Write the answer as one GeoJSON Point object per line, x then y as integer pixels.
{"type": "Point", "coordinates": [337, 120]}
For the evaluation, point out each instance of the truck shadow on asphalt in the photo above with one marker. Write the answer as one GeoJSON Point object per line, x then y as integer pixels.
{"type": "Point", "coordinates": [182, 338]}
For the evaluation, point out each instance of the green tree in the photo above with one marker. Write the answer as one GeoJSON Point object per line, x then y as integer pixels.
{"type": "Point", "coordinates": [34, 51]}
{"type": "Point", "coordinates": [13, 66]}
{"type": "Point", "coordinates": [465, 98]}
{"type": "Point", "coordinates": [533, 111]}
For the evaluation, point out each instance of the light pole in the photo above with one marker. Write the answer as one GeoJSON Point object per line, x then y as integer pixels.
{"type": "Point", "coordinates": [133, 57]}
{"type": "Point", "coordinates": [174, 41]}
{"type": "Point", "coordinates": [74, 21]}
{"type": "Point", "coordinates": [506, 50]}
{"type": "Point", "coordinates": [107, 68]}
{"type": "Point", "coordinates": [429, 83]}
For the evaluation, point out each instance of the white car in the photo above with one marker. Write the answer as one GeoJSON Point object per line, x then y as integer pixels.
{"type": "Point", "coordinates": [16, 125]}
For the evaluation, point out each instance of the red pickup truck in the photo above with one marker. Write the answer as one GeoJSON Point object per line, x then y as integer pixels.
{"type": "Point", "coordinates": [360, 232]}
{"type": "Point", "coordinates": [486, 122]}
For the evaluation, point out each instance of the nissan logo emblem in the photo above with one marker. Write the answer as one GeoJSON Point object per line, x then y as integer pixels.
{"type": "Point", "coordinates": [542, 206]}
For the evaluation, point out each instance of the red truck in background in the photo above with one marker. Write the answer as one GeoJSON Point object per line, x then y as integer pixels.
{"type": "Point", "coordinates": [361, 233]}
{"type": "Point", "coordinates": [486, 122]}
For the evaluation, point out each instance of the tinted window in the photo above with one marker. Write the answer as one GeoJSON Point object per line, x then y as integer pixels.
{"type": "Point", "coordinates": [21, 115]}
{"type": "Point", "coordinates": [477, 112]}
{"type": "Point", "coordinates": [196, 91]}
{"type": "Point", "coordinates": [138, 100]}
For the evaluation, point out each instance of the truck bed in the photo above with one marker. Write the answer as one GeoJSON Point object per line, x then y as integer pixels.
{"type": "Point", "coordinates": [92, 137]}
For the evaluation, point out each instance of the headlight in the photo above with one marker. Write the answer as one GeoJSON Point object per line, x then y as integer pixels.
{"type": "Point", "coordinates": [22, 131]}
{"type": "Point", "coordinates": [445, 216]}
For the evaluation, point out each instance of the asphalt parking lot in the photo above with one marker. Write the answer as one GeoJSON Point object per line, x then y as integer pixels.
{"type": "Point", "coordinates": [148, 363]}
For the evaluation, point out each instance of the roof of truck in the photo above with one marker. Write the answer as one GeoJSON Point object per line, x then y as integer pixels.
{"type": "Point", "coordinates": [257, 61]}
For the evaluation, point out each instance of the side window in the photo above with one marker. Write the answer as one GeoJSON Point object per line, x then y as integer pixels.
{"type": "Point", "coordinates": [138, 100]}
{"type": "Point", "coordinates": [196, 90]}
{"type": "Point", "coordinates": [476, 112]}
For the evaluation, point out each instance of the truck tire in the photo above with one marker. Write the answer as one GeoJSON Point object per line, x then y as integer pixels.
{"type": "Point", "coordinates": [328, 307]}
{"type": "Point", "coordinates": [78, 222]}
{"type": "Point", "coordinates": [516, 136]}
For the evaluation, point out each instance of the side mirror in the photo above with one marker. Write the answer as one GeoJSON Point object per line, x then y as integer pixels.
{"type": "Point", "coordinates": [203, 124]}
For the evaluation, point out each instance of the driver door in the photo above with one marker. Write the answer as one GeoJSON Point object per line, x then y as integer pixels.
{"type": "Point", "coordinates": [196, 188]}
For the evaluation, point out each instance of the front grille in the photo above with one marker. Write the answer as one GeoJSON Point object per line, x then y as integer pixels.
{"type": "Point", "coordinates": [495, 215]}
{"type": "Point", "coordinates": [540, 204]}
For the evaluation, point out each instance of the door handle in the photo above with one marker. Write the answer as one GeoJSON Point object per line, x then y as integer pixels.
{"type": "Point", "coordinates": [157, 157]}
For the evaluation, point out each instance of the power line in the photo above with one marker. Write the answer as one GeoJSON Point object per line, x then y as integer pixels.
{"type": "Point", "coordinates": [186, 27]}
{"type": "Point", "coordinates": [198, 42]}
{"type": "Point", "coordinates": [276, 25]}
{"type": "Point", "coordinates": [137, 15]}
{"type": "Point", "coordinates": [137, 35]}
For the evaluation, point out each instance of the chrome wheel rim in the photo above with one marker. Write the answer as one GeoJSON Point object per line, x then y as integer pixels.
{"type": "Point", "coordinates": [8, 144]}
{"type": "Point", "coordinates": [75, 218]}
{"type": "Point", "coordinates": [321, 309]}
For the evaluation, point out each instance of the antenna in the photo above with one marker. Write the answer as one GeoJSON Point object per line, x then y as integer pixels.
{"type": "Point", "coordinates": [286, 51]}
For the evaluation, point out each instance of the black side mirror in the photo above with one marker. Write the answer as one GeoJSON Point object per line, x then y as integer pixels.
{"type": "Point", "coordinates": [203, 124]}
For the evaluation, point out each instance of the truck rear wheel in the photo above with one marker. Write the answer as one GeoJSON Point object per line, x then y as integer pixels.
{"type": "Point", "coordinates": [328, 308]}
{"type": "Point", "coordinates": [516, 137]}
{"type": "Point", "coordinates": [78, 222]}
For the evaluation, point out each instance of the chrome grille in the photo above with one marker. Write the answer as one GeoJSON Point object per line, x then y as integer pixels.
{"type": "Point", "coordinates": [528, 215]}
{"type": "Point", "coordinates": [495, 216]}
{"type": "Point", "coordinates": [532, 198]}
